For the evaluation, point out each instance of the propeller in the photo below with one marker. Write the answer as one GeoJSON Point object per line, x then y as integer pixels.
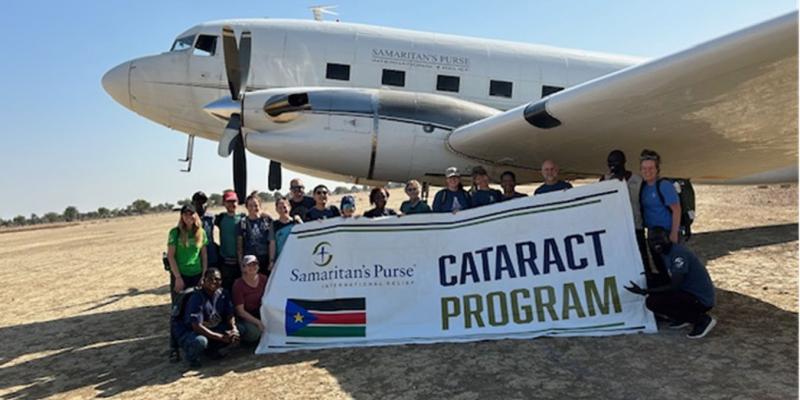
{"type": "Point", "coordinates": [237, 70]}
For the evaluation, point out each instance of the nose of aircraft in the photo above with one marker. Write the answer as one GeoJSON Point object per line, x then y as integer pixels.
{"type": "Point", "coordinates": [116, 84]}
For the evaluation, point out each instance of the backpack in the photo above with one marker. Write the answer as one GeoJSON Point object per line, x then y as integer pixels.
{"type": "Point", "coordinates": [685, 198]}
{"type": "Point", "coordinates": [180, 303]}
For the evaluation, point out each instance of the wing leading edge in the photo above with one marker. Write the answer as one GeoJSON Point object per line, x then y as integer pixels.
{"type": "Point", "coordinates": [722, 111]}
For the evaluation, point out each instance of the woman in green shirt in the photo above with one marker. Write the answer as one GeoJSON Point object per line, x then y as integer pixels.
{"type": "Point", "coordinates": [186, 252]}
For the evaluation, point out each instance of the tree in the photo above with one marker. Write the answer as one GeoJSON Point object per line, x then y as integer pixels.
{"type": "Point", "coordinates": [51, 217]}
{"type": "Point", "coordinates": [103, 212]}
{"type": "Point", "coordinates": [184, 202]}
{"type": "Point", "coordinates": [140, 206]}
{"type": "Point", "coordinates": [20, 220]}
{"type": "Point", "coordinates": [215, 200]}
{"type": "Point", "coordinates": [34, 219]}
{"type": "Point", "coordinates": [71, 214]}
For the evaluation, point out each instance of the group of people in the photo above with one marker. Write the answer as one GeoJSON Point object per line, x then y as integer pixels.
{"type": "Point", "coordinates": [217, 288]}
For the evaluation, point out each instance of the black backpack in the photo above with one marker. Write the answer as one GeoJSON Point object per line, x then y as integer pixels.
{"type": "Point", "coordinates": [686, 199]}
{"type": "Point", "coordinates": [180, 304]}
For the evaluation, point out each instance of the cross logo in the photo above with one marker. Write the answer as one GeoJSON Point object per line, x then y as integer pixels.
{"type": "Point", "coordinates": [322, 255]}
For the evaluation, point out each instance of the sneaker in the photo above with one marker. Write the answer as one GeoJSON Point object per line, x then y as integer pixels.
{"type": "Point", "coordinates": [702, 328]}
{"type": "Point", "coordinates": [174, 356]}
{"type": "Point", "coordinates": [678, 325]}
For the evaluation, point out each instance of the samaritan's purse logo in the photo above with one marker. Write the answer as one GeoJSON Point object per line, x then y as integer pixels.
{"type": "Point", "coordinates": [322, 254]}
{"type": "Point", "coordinates": [326, 318]}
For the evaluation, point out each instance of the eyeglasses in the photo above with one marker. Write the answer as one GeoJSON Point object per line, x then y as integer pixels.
{"type": "Point", "coordinates": [297, 188]}
{"type": "Point", "coordinates": [214, 279]}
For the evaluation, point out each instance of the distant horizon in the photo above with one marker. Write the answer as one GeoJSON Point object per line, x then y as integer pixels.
{"type": "Point", "coordinates": [68, 143]}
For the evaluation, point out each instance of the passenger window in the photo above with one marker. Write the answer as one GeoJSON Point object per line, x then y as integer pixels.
{"type": "Point", "coordinates": [206, 46]}
{"type": "Point", "coordinates": [447, 83]}
{"type": "Point", "coordinates": [500, 88]}
{"type": "Point", "coordinates": [392, 77]}
{"type": "Point", "coordinates": [182, 43]}
{"type": "Point", "coordinates": [548, 90]}
{"type": "Point", "coordinates": [339, 72]}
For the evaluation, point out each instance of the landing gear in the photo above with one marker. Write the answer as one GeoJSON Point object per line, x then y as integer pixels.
{"type": "Point", "coordinates": [426, 188]}
{"type": "Point", "coordinates": [189, 153]}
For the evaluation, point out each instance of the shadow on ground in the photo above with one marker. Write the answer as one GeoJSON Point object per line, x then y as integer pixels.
{"type": "Point", "coordinates": [751, 354]}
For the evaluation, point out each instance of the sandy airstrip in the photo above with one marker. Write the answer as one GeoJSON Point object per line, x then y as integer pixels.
{"type": "Point", "coordinates": [86, 315]}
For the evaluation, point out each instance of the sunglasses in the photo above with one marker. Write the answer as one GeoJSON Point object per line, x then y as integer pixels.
{"type": "Point", "coordinates": [412, 189]}
{"type": "Point", "coordinates": [321, 193]}
{"type": "Point", "coordinates": [214, 279]}
{"type": "Point", "coordinates": [296, 188]}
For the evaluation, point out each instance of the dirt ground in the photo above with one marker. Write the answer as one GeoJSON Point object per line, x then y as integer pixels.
{"type": "Point", "coordinates": [87, 305]}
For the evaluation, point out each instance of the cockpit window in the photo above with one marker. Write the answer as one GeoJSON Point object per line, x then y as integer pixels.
{"type": "Point", "coordinates": [182, 43]}
{"type": "Point", "coordinates": [206, 45]}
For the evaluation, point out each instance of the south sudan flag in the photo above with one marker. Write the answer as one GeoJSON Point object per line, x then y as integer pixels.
{"type": "Point", "coordinates": [326, 318]}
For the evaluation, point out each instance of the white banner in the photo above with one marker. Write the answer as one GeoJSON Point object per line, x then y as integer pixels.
{"type": "Point", "coordinates": [552, 264]}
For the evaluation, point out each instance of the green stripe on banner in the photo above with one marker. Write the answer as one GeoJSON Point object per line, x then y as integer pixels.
{"type": "Point", "coordinates": [332, 331]}
{"type": "Point", "coordinates": [378, 228]}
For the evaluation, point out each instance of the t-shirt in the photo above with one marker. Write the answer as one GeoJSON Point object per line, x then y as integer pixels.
{"type": "Point", "coordinates": [447, 200]}
{"type": "Point", "coordinates": [656, 213]}
{"type": "Point", "coordinates": [375, 213]}
{"type": "Point", "coordinates": [514, 195]}
{"type": "Point", "coordinates": [212, 311]}
{"type": "Point", "coordinates": [212, 252]}
{"type": "Point", "coordinates": [277, 225]}
{"type": "Point", "coordinates": [545, 188]}
{"type": "Point", "coordinates": [483, 197]}
{"type": "Point", "coordinates": [187, 256]}
{"type": "Point", "coordinates": [249, 296]}
{"type": "Point", "coordinates": [228, 229]}
{"type": "Point", "coordinates": [314, 214]}
{"type": "Point", "coordinates": [300, 208]}
{"type": "Point", "coordinates": [255, 235]}
{"type": "Point", "coordinates": [680, 260]}
{"type": "Point", "coordinates": [420, 207]}
{"type": "Point", "coordinates": [634, 183]}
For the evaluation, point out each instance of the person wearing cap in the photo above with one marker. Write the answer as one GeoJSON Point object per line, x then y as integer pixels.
{"type": "Point", "coordinates": [228, 224]}
{"type": "Point", "coordinates": [452, 198]}
{"type": "Point", "coordinates": [247, 293]}
{"type": "Point", "coordinates": [508, 181]}
{"type": "Point", "coordinates": [690, 293]}
{"type": "Point", "coordinates": [551, 182]}
{"type": "Point", "coordinates": [253, 232]}
{"type": "Point", "coordinates": [616, 170]}
{"type": "Point", "coordinates": [208, 322]}
{"type": "Point", "coordinates": [414, 204]}
{"type": "Point", "coordinates": [321, 209]}
{"type": "Point", "coordinates": [348, 206]}
{"type": "Point", "coordinates": [299, 203]}
{"type": "Point", "coordinates": [187, 258]}
{"type": "Point", "coordinates": [200, 203]}
{"type": "Point", "coordinates": [281, 227]}
{"type": "Point", "coordinates": [655, 213]}
{"type": "Point", "coordinates": [378, 197]}
{"type": "Point", "coordinates": [484, 195]}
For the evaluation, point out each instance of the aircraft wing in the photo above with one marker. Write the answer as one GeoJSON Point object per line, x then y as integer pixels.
{"type": "Point", "coordinates": [722, 111]}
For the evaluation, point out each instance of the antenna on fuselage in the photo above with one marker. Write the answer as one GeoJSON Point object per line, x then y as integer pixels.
{"type": "Point", "coordinates": [319, 10]}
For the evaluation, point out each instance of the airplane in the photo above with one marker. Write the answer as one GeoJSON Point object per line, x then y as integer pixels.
{"type": "Point", "coordinates": [370, 104]}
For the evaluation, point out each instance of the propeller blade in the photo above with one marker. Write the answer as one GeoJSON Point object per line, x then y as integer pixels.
{"type": "Point", "coordinates": [244, 60]}
{"type": "Point", "coordinates": [230, 133]}
{"type": "Point", "coordinates": [232, 67]}
{"type": "Point", "coordinates": [274, 177]}
{"type": "Point", "coordinates": [239, 168]}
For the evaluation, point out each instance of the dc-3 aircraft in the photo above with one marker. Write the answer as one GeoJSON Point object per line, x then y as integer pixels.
{"type": "Point", "coordinates": [372, 104]}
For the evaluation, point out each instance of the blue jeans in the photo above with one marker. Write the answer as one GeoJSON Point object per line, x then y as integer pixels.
{"type": "Point", "coordinates": [193, 343]}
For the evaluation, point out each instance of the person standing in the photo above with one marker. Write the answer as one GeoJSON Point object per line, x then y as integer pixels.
{"type": "Point", "coordinates": [551, 183]}
{"type": "Point", "coordinates": [281, 227]}
{"type": "Point", "coordinates": [452, 198]}
{"type": "Point", "coordinates": [656, 212]}
{"type": "Point", "coordinates": [254, 234]}
{"type": "Point", "coordinates": [228, 224]}
{"type": "Point", "coordinates": [200, 203]}
{"type": "Point", "coordinates": [378, 197]}
{"type": "Point", "coordinates": [321, 209]}
{"type": "Point", "coordinates": [348, 206]}
{"type": "Point", "coordinates": [689, 295]}
{"type": "Point", "coordinates": [414, 204]}
{"type": "Point", "coordinates": [483, 195]}
{"type": "Point", "coordinates": [508, 181]}
{"type": "Point", "coordinates": [299, 203]}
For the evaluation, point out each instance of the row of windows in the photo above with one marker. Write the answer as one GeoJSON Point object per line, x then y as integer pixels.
{"type": "Point", "coordinates": [444, 83]}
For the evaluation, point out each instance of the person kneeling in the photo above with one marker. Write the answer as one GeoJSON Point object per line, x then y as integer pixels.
{"type": "Point", "coordinates": [207, 322]}
{"type": "Point", "coordinates": [690, 294]}
{"type": "Point", "coordinates": [247, 293]}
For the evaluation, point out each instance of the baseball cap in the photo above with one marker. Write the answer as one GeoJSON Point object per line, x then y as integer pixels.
{"type": "Point", "coordinates": [199, 196]}
{"type": "Point", "coordinates": [249, 259]}
{"type": "Point", "coordinates": [348, 202]}
{"type": "Point", "coordinates": [188, 208]}
{"type": "Point", "coordinates": [478, 170]}
{"type": "Point", "coordinates": [230, 196]}
{"type": "Point", "coordinates": [452, 171]}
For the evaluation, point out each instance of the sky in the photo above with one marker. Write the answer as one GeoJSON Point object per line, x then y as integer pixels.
{"type": "Point", "coordinates": [66, 142]}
